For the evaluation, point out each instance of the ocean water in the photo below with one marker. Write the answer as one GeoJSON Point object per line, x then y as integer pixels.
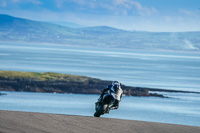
{"type": "Point", "coordinates": [143, 68]}
{"type": "Point", "coordinates": [182, 109]}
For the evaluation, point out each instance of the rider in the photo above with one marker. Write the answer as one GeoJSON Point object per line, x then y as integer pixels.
{"type": "Point", "coordinates": [114, 88]}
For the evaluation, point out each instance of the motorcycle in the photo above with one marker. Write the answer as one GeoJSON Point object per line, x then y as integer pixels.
{"type": "Point", "coordinates": [104, 106]}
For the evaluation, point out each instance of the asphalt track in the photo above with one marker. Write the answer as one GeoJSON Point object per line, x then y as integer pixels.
{"type": "Point", "coordinates": [27, 122]}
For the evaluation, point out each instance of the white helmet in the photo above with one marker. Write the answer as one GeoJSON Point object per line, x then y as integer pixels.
{"type": "Point", "coordinates": [116, 83]}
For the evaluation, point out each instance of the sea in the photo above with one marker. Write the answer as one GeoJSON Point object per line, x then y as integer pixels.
{"type": "Point", "coordinates": [170, 70]}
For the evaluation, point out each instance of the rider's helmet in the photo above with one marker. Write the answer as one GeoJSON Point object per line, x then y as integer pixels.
{"type": "Point", "coordinates": [116, 85]}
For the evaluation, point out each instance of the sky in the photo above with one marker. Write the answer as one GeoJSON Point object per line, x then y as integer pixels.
{"type": "Point", "coordinates": [139, 15]}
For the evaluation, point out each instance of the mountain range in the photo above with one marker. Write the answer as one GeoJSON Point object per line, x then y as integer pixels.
{"type": "Point", "coordinates": [14, 29]}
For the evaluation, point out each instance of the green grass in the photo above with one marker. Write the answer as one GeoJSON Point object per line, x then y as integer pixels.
{"type": "Point", "coordinates": [43, 76]}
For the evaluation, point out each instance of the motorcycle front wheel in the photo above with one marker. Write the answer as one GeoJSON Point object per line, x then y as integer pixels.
{"type": "Point", "coordinates": [101, 110]}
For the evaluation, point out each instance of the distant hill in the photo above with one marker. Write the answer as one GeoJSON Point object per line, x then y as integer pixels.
{"type": "Point", "coordinates": [67, 24]}
{"type": "Point", "coordinates": [14, 29]}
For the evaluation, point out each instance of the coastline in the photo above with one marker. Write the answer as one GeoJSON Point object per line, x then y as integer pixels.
{"type": "Point", "coordinates": [61, 83]}
{"type": "Point", "coordinates": [15, 121]}
{"type": "Point", "coordinates": [64, 83]}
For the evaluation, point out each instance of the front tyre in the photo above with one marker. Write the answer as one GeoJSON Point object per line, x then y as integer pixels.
{"type": "Point", "coordinates": [101, 110]}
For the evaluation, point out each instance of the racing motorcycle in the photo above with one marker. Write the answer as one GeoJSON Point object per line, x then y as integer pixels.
{"type": "Point", "coordinates": [105, 105]}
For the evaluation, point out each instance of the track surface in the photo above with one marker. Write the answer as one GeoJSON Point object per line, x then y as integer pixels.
{"type": "Point", "coordinates": [27, 122]}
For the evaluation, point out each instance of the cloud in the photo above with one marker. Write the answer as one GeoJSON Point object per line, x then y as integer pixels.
{"type": "Point", "coordinates": [186, 12]}
{"type": "Point", "coordinates": [128, 4]}
{"type": "Point", "coordinates": [189, 13]}
{"type": "Point", "coordinates": [167, 18]}
{"type": "Point", "coordinates": [3, 4]}
{"type": "Point", "coordinates": [78, 3]}
{"type": "Point", "coordinates": [35, 2]}
{"type": "Point", "coordinates": [15, 1]}
{"type": "Point", "coordinates": [115, 7]}
{"type": "Point", "coordinates": [12, 4]}
{"type": "Point", "coordinates": [134, 7]}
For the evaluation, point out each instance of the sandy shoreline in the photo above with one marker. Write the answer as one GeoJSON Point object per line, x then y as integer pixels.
{"type": "Point", "coordinates": [28, 122]}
